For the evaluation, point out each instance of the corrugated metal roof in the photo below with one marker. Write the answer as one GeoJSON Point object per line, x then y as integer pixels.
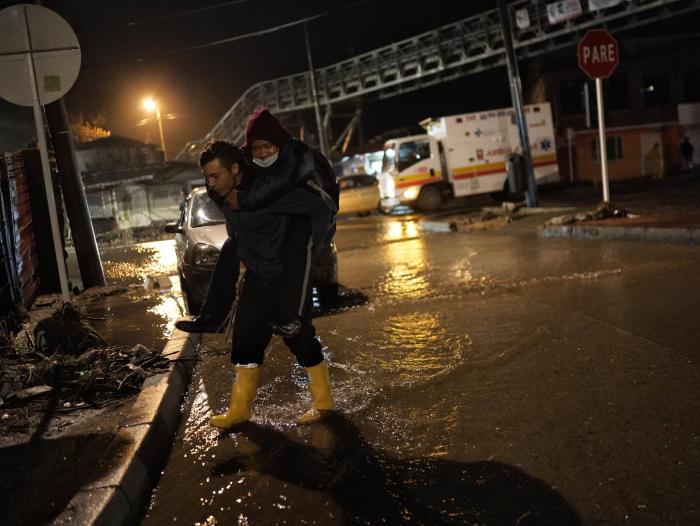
{"type": "Point", "coordinates": [170, 172]}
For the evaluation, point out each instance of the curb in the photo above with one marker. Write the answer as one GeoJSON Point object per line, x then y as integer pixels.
{"type": "Point", "coordinates": [668, 235]}
{"type": "Point", "coordinates": [438, 226]}
{"type": "Point", "coordinates": [450, 224]}
{"type": "Point", "coordinates": [524, 210]}
{"type": "Point", "coordinates": [120, 496]}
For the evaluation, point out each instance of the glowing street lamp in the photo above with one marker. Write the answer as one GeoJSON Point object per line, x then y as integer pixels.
{"type": "Point", "coordinates": [151, 105]}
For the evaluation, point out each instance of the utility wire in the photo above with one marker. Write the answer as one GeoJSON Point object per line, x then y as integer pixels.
{"type": "Point", "coordinates": [184, 13]}
{"type": "Point", "coordinates": [254, 34]}
{"type": "Point", "coordinates": [163, 56]}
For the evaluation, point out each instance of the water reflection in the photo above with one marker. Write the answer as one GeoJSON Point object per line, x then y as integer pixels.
{"type": "Point", "coordinates": [418, 347]}
{"type": "Point", "coordinates": [335, 476]}
{"type": "Point", "coordinates": [152, 264]}
{"type": "Point", "coordinates": [467, 278]}
{"type": "Point", "coordinates": [163, 253]}
{"type": "Point", "coordinates": [396, 230]}
{"type": "Point", "coordinates": [199, 438]}
{"type": "Point", "coordinates": [408, 268]}
{"type": "Point", "coordinates": [170, 306]}
{"type": "Point", "coordinates": [135, 263]}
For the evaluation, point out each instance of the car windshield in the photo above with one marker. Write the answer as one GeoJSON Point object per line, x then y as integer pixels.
{"type": "Point", "coordinates": [205, 212]}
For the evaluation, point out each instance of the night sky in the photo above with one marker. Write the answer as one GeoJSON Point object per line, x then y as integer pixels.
{"type": "Point", "coordinates": [132, 49]}
{"type": "Point", "coordinates": [201, 86]}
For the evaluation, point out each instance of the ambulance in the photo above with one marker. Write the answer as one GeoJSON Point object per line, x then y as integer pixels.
{"type": "Point", "coordinates": [464, 155]}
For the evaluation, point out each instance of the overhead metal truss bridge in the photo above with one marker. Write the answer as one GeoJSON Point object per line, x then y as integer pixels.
{"type": "Point", "coordinates": [461, 48]}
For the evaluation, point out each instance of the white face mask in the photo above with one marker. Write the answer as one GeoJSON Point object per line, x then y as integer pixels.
{"type": "Point", "coordinates": [267, 161]}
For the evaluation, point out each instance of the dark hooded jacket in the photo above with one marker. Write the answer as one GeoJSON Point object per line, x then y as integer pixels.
{"type": "Point", "coordinates": [260, 234]}
{"type": "Point", "coordinates": [298, 167]}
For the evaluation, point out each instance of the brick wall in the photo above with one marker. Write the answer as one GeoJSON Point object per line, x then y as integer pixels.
{"type": "Point", "coordinates": [19, 240]}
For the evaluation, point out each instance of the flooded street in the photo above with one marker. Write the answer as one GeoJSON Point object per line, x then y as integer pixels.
{"type": "Point", "coordinates": [149, 271]}
{"type": "Point", "coordinates": [489, 378]}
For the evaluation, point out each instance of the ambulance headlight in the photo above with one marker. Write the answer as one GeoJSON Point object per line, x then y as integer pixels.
{"type": "Point", "coordinates": [411, 193]}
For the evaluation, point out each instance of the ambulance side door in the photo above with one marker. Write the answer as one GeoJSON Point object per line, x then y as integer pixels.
{"type": "Point", "coordinates": [461, 159]}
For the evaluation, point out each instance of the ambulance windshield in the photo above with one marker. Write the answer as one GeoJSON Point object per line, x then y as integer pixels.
{"type": "Point", "coordinates": [412, 152]}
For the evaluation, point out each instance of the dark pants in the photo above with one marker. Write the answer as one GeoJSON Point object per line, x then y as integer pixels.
{"type": "Point", "coordinates": [296, 272]}
{"type": "Point", "coordinates": [293, 287]}
{"type": "Point", "coordinates": [222, 284]}
{"type": "Point", "coordinates": [259, 303]}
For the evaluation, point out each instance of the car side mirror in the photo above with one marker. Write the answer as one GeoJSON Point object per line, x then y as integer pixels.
{"type": "Point", "coordinates": [173, 228]}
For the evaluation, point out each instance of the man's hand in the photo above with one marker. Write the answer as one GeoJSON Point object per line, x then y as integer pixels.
{"type": "Point", "coordinates": [232, 200]}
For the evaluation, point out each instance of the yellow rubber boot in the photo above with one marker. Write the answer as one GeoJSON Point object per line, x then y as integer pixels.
{"type": "Point", "coordinates": [242, 395]}
{"type": "Point", "coordinates": [320, 388]}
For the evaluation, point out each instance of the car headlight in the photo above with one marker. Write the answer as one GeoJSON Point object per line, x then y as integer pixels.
{"type": "Point", "coordinates": [204, 255]}
{"type": "Point", "coordinates": [411, 192]}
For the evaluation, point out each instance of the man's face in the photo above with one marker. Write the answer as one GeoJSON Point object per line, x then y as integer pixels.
{"type": "Point", "coordinates": [262, 149]}
{"type": "Point", "coordinates": [220, 178]}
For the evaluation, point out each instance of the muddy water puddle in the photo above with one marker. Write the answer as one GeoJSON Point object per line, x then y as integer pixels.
{"type": "Point", "coordinates": [147, 312]}
{"type": "Point", "coordinates": [135, 263]}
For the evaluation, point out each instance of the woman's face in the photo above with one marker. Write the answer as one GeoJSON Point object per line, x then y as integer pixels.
{"type": "Point", "coordinates": [220, 178]}
{"type": "Point", "coordinates": [262, 149]}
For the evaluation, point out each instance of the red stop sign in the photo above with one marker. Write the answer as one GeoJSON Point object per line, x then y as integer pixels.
{"type": "Point", "coordinates": [598, 54]}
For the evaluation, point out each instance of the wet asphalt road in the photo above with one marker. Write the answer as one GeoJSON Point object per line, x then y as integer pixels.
{"type": "Point", "coordinates": [489, 378]}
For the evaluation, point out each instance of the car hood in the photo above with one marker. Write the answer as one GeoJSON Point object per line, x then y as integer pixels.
{"type": "Point", "coordinates": [213, 235]}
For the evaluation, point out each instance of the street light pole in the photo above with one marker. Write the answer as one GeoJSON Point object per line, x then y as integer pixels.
{"type": "Point", "coordinates": [152, 105]}
{"type": "Point", "coordinates": [516, 92]}
{"type": "Point", "coordinates": [322, 140]}
{"type": "Point", "coordinates": [160, 130]}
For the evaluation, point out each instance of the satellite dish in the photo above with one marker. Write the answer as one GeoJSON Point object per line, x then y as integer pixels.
{"type": "Point", "coordinates": [31, 30]}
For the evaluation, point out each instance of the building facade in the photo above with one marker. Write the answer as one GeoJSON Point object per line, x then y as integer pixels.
{"type": "Point", "coordinates": [648, 110]}
{"type": "Point", "coordinates": [128, 185]}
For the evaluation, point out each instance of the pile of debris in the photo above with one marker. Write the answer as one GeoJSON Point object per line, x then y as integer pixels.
{"type": "Point", "coordinates": [62, 355]}
{"type": "Point", "coordinates": [604, 211]}
{"type": "Point", "coordinates": [484, 221]}
{"type": "Point", "coordinates": [488, 218]}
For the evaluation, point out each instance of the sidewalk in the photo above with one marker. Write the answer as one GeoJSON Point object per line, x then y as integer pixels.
{"type": "Point", "coordinates": [666, 210]}
{"type": "Point", "coordinates": [82, 463]}
{"type": "Point", "coordinates": [659, 210]}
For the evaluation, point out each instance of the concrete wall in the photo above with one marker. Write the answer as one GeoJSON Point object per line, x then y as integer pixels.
{"type": "Point", "coordinates": [165, 201]}
{"type": "Point", "coordinates": [636, 143]}
{"type": "Point", "coordinates": [133, 205]}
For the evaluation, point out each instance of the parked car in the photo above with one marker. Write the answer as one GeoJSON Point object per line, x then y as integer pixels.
{"type": "Point", "coordinates": [359, 194]}
{"type": "Point", "coordinates": [199, 234]}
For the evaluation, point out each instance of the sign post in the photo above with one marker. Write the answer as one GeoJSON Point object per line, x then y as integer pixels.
{"type": "Point", "coordinates": [516, 94]}
{"type": "Point", "coordinates": [41, 56]}
{"type": "Point", "coordinates": [598, 56]}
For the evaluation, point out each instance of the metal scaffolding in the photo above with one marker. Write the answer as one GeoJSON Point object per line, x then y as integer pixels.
{"type": "Point", "coordinates": [468, 46]}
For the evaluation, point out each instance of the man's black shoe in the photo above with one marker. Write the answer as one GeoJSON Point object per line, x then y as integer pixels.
{"type": "Point", "coordinates": [201, 323]}
{"type": "Point", "coordinates": [287, 330]}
